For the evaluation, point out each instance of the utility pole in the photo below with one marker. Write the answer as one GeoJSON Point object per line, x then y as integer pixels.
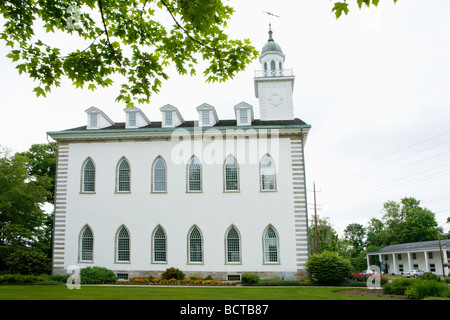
{"type": "Point", "coordinates": [442, 259]}
{"type": "Point", "coordinates": [315, 219]}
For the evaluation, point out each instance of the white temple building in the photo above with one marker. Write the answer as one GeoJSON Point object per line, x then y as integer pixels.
{"type": "Point", "coordinates": [209, 196]}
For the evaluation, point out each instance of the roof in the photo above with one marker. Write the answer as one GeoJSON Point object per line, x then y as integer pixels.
{"type": "Point", "coordinates": [271, 45]}
{"type": "Point", "coordinates": [187, 124]}
{"type": "Point", "coordinates": [414, 246]}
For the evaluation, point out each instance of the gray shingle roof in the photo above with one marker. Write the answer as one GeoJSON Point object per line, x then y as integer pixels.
{"type": "Point", "coordinates": [412, 246]}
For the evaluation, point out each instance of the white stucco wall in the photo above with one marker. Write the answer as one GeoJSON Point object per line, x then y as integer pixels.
{"type": "Point", "coordinates": [213, 210]}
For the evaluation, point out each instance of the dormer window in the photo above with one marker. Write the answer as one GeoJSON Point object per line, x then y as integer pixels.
{"type": "Point", "coordinates": [244, 114]}
{"type": "Point", "coordinates": [168, 118]}
{"type": "Point", "coordinates": [135, 118]}
{"type": "Point", "coordinates": [132, 119]}
{"type": "Point", "coordinates": [93, 120]}
{"type": "Point", "coordinates": [205, 117]}
{"type": "Point", "coordinates": [97, 119]}
{"type": "Point", "coordinates": [171, 117]}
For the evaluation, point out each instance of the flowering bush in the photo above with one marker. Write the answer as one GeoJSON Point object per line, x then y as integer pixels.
{"type": "Point", "coordinates": [360, 277]}
{"type": "Point", "coordinates": [162, 281]}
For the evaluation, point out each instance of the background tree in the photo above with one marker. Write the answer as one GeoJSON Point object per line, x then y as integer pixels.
{"type": "Point", "coordinates": [355, 234]}
{"type": "Point", "coordinates": [327, 236]}
{"type": "Point", "coordinates": [408, 222]}
{"type": "Point", "coordinates": [128, 39]}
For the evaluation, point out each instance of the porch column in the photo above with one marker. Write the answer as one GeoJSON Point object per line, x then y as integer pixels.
{"type": "Point", "coordinates": [367, 257]}
{"type": "Point", "coordinates": [409, 261]}
{"type": "Point", "coordinates": [381, 262]}
{"type": "Point", "coordinates": [427, 267]}
{"type": "Point", "coordinates": [444, 255]}
{"type": "Point", "coordinates": [395, 264]}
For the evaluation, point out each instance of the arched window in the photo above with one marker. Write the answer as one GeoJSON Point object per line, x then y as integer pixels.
{"type": "Point", "coordinates": [231, 174]}
{"type": "Point", "coordinates": [233, 246]}
{"type": "Point", "coordinates": [88, 184]}
{"type": "Point", "coordinates": [159, 176]}
{"type": "Point", "coordinates": [194, 175]}
{"type": "Point", "coordinates": [123, 245]}
{"type": "Point", "coordinates": [86, 245]}
{"type": "Point", "coordinates": [159, 245]}
{"type": "Point", "coordinates": [271, 254]}
{"type": "Point", "coordinates": [267, 171]}
{"type": "Point", "coordinates": [272, 65]}
{"type": "Point", "coordinates": [195, 246]}
{"type": "Point", "coordinates": [123, 176]}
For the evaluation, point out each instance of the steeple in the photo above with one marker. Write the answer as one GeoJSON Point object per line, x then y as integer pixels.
{"type": "Point", "coordinates": [274, 84]}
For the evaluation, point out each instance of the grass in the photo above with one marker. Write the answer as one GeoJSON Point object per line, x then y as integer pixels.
{"type": "Point", "coordinates": [61, 292]}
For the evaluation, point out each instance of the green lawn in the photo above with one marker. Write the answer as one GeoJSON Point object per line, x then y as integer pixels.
{"type": "Point", "coordinates": [61, 292]}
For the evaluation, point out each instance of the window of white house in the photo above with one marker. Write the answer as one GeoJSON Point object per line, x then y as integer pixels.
{"type": "Point", "coordinates": [267, 174]}
{"type": "Point", "coordinates": [430, 255]}
{"type": "Point", "coordinates": [159, 176]}
{"type": "Point", "coordinates": [168, 118]}
{"type": "Point", "coordinates": [123, 176]}
{"type": "Point", "coordinates": [399, 256]}
{"type": "Point", "coordinates": [159, 246]}
{"type": "Point", "coordinates": [88, 184]}
{"type": "Point", "coordinates": [243, 116]}
{"type": "Point", "coordinates": [87, 245]}
{"type": "Point", "coordinates": [400, 267]}
{"type": "Point", "coordinates": [233, 246]}
{"type": "Point", "coordinates": [93, 120]}
{"type": "Point", "coordinates": [205, 117]}
{"type": "Point", "coordinates": [231, 174]}
{"type": "Point", "coordinates": [132, 119]}
{"type": "Point", "coordinates": [270, 246]}
{"type": "Point", "coordinates": [195, 246]}
{"type": "Point", "coordinates": [414, 256]}
{"type": "Point", "coordinates": [432, 267]}
{"type": "Point", "coordinates": [123, 245]}
{"type": "Point", "coordinates": [194, 175]}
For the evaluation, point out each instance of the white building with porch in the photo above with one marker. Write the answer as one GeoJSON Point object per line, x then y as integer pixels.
{"type": "Point", "coordinates": [426, 256]}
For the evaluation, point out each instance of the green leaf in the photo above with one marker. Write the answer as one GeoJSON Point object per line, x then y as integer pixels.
{"type": "Point", "coordinates": [340, 7]}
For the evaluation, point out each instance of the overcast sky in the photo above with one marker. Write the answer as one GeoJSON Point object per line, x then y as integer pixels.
{"type": "Point", "coordinates": [374, 86]}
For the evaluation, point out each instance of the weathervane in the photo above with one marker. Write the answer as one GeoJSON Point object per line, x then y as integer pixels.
{"type": "Point", "coordinates": [271, 14]}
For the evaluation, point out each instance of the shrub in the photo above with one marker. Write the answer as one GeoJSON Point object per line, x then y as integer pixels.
{"type": "Point", "coordinates": [23, 279]}
{"type": "Point", "coordinates": [173, 273]}
{"type": "Point", "coordinates": [28, 261]}
{"type": "Point", "coordinates": [428, 288]}
{"type": "Point", "coordinates": [398, 286]}
{"type": "Point", "coordinates": [430, 276]}
{"type": "Point", "coordinates": [249, 278]}
{"type": "Point", "coordinates": [97, 275]}
{"type": "Point", "coordinates": [328, 268]}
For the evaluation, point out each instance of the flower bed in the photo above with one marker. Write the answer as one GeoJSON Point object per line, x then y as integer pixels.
{"type": "Point", "coordinates": [359, 277]}
{"type": "Point", "coordinates": [161, 281]}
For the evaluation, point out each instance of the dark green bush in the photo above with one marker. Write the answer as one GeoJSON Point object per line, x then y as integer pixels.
{"type": "Point", "coordinates": [249, 278]}
{"type": "Point", "coordinates": [430, 276]}
{"type": "Point", "coordinates": [23, 279]}
{"type": "Point", "coordinates": [173, 273]}
{"type": "Point", "coordinates": [398, 286]}
{"type": "Point", "coordinates": [328, 268]}
{"type": "Point", "coordinates": [97, 275]}
{"type": "Point", "coordinates": [27, 261]}
{"type": "Point", "coordinates": [428, 288]}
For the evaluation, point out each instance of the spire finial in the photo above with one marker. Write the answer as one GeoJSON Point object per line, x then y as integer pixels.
{"type": "Point", "coordinates": [270, 32]}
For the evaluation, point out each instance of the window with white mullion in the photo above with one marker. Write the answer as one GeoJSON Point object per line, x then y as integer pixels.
{"type": "Point", "coordinates": [233, 246]}
{"type": "Point", "coordinates": [194, 175]}
{"type": "Point", "coordinates": [159, 176]}
{"type": "Point", "coordinates": [195, 246]}
{"type": "Point", "coordinates": [168, 118]}
{"type": "Point", "coordinates": [270, 246]}
{"type": "Point", "coordinates": [267, 174]}
{"type": "Point", "coordinates": [123, 245]}
{"type": "Point", "coordinates": [123, 180]}
{"type": "Point", "coordinates": [88, 176]}
{"type": "Point", "coordinates": [93, 120]}
{"type": "Point", "coordinates": [205, 117]}
{"type": "Point", "coordinates": [243, 116]}
{"type": "Point", "coordinates": [87, 245]}
{"type": "Point", "coordinates": [231, 175]}
{"type": "Point", "coordinates": [132, 119]}
{"type": "Point", "coordinates": [159, 246]}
